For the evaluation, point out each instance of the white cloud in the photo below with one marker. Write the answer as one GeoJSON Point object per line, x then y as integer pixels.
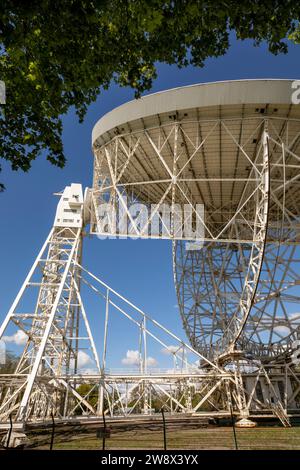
{"type": "Point", "coordinates": [151, 361]}
{"type": "Point", "coordinates": [132, 358]}
{"type": "Point", "coordinates": [19, 338]}
{"type": "Point", "coordinates": [83, 359]}
{"type": "Point", "coordinates": [170, 349]}
{"type": "Point", "coordinates": [282, 330]}
{"type": "Point", "coordinates": [294, 316]}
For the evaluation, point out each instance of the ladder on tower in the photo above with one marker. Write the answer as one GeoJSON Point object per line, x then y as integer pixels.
{"type": "Point", "coordinates": [280, 413]}
{"type": "Point", "coordinates": [276, 405]}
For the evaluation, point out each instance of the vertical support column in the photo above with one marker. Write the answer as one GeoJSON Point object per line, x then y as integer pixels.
{"type": "Point", "coordinates": [39, 356]}
{"type": "Point", "coordinates": [102, 381]}
{"type": "Point", "coordinates": [285, 387]}
{"type": "Point", "coordinates": [145, 368]}
{"type": "Point", "coordinates": [258, 246]}
{"type": "Point", "coordinates": [266, 174]}
{"type": "Point", "coordinates": [174, 178]}
{"type": "Point", "coordinates": [240, 393]}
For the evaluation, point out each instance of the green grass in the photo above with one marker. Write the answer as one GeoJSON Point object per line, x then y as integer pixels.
{"type": "Point", "coordinates": [209, 438]}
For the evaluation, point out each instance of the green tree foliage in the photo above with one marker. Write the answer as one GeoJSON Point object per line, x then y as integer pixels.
{"type": "Point", "coordinates": [58, 54]}
{"type": "Point", "coordinates": [295, 36]}
{"type": "Point", "coordinates": [91, 394]}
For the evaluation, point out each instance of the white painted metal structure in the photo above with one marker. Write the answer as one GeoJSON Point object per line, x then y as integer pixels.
{"type": "Point", "coordinates": [234, 148]}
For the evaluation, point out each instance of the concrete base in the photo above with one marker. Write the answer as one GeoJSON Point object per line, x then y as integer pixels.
{"type": "Point", "coordinates": [245, 423]}
{"type": "Point", "coordinates": [15, 440]}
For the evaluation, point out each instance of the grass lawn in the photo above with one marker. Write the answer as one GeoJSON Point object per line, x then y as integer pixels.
{"type": "Point", "coordinates": [208, 438]}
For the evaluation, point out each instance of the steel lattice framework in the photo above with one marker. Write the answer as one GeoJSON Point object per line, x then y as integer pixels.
{"type": "Point", "coordinates": [221, 158]}
{"type": "Point", "coordinates": [210, 282]}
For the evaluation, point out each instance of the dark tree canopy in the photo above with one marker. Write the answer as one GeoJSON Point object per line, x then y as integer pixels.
{"type": "Point", "coordinates": [57, 54]}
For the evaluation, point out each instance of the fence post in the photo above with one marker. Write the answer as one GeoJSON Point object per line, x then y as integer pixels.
{"type": "Point", "coordinates": [164, 428]}
{"type": "Point", "coordinates": [53, 430]}
{"type": "Point", "coordinates": [233, 427]}
{"type": "Point", "coordinates": [104, 430]}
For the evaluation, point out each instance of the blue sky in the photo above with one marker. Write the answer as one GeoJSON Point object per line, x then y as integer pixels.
{"type": "Point", "coordinates": [141, 270]}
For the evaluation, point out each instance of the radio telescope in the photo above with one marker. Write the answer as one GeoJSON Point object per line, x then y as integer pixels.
{"type": "Point", "coordinates": [215, 169]}
{"type": "Point", "coordinates": [232, 147]}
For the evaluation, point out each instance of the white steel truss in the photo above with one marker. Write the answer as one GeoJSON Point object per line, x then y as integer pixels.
{"type": "Point", "coordinates": [51, 328]}
{"type": "Point", "coordinates": [211, 282]}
